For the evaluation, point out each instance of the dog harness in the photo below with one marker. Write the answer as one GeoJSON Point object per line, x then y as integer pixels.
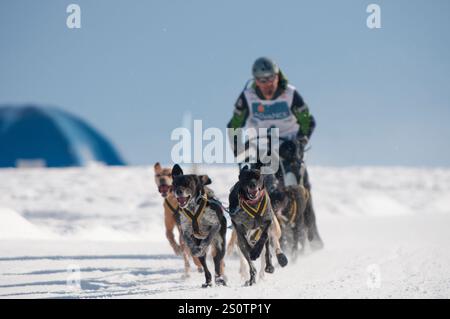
{"type": "Point", "coordinates": [256, 235]}
{"type": "Point", "coordinates": [254, 212]}
{"type": "Point", "coordinates": [195, 217]}
{"type": "Point", "coordinates": [175, 211]}
{"type": "Point", "coordinates": [293, 209]}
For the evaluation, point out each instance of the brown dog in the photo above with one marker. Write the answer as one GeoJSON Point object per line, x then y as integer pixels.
{"type": "Point", "coordinates": [163, 179]}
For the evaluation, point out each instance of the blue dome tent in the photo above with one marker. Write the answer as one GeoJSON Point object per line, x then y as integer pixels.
{"type": "Point", "coordinates": [50, 137]}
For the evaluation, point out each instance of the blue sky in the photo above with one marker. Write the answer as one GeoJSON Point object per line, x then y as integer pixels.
{"type": "Point", "coordinates": [380, 97]}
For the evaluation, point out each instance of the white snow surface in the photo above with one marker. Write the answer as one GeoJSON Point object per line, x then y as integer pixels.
{"type": "Point", "coordinates": [98, 232]}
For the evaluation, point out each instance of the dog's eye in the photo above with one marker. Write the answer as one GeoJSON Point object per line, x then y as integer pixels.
{"type": "Point", "coordinates": [162, 175]}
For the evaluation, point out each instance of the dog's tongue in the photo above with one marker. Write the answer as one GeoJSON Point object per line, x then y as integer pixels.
{"type": "Point", "coordinates": [163, 189]}
{"type": "Point", "coordinates": [253, 193]}
{"type": "Point", "coordinates": [182, 200]}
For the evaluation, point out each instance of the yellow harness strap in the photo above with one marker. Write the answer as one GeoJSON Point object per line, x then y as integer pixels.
{"type": "Point", "coordinates": [257, 234]}
{"type": "Point", "coordinates": [173, 209]}
{"type": "Point", "coordinates": [253, 212]}
{"type": "Point", "coordinates": [194, 218]}
{"type": "Point", "coordinates": [293, 212]}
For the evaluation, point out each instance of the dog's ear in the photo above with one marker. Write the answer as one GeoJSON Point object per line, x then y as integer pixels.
{"type": "Point", "coordinates": [205, 180]}
{"type": "Point", "coordinates": [244, 168]}
{"type": "Point", "coordinates": [177, 171]}
{"type": "Point", "coordinates": [157, 168]}
{"type": "Point", "coordinates": [259, 165]}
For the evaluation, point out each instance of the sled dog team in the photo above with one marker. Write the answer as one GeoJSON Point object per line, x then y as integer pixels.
{"type": "Point", "coordinates": [264, 220]}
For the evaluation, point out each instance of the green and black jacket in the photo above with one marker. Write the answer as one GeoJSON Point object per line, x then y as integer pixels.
{"type": "Point", "coordinates": [299, 108]}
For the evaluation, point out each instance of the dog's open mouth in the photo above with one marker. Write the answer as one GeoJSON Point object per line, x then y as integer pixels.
{"type": "Point", "coordinates": [164, 190]}
{"type": "Point", "coordinates": [253, 193]}
{"type": "Point", "coordinates": [183, 201]}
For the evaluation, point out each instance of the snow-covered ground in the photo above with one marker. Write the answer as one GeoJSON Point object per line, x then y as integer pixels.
{"type": "Point", "coordinates": [98, 232]}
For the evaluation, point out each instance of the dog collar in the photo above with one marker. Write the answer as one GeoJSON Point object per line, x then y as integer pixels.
{"type": "Point", "coordinates": [254, 210]}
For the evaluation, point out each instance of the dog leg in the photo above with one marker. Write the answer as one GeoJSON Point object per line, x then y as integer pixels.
{"type": "Point", "coordinates": [310, 222]}
{"type": "Point", "coordinates": [186, 254]}
{"type": "Point", "coordinates": [198, 264]}
{"type": "Point", "coordinates": [231, 243]}
{"type": "Point", "coordinates": [298, 229]}
{"type": "Point", "coordinates": [283, 239]}
{"type": "Point", "coordinates": [257, 248]}
{"type": "Point", "coordinates": [296, 234]}
{"type": "Point", "coordinates": [245, 250]}
{"type": "Point", "coordinates": [263, 263]}
{"type": "Point", "coordinates": [187, 266]}
{"type": "Point", "coordinates": [253, 272]}
{"type": "Point", "coordinates": [275, 235]}
{"type": "Point", "coordinates": [207, 273]}
{"type": "Point", "coordinates": [243, 267]}
{"type": "Point", "coordinates": [196, 261]}
{"type": "Point", "coordinates": [303, 235]}
{"type": "Point", "coordinates": [268, 261]}
{"type": "Point", "coordinates": [219, 253]}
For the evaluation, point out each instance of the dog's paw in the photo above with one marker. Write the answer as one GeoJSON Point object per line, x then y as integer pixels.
{"type": "Point", "coordinates": [296, 253]}
{"type": "Point", "coordinates": [316, 244]}
{"type": "Point", "coordinates": [269, 269]}
{"type": "Point", "coordinates": [185, 276]}
{"type": "Point", "coordinates": [282, 259]}
{"type": "Point", "coordinates": [254, 254]}
{"type": "Point", "coordinates": [207, 284]}
{"type": "Point", "coordinates": [250, 282]}
{"type": "Point", "coordinates": [220, 281]}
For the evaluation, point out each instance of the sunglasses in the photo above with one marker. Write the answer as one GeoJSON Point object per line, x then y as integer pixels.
{"type": "Point", "coordinates": [266, 79]}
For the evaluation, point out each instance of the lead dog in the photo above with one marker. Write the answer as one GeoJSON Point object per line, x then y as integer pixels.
{"type": "Point", "coordinates": [254, 221]}
{"type": "Point", "coordinates": [163, 179]}
{"type": "Point", "coordinates": [202, 222]}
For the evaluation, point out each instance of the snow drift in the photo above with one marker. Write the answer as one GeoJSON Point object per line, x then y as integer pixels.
{"type": "Point", "coordinates": [13, 225]}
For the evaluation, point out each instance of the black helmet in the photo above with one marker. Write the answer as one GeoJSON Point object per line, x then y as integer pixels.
{"type": "Point", "coordinates": [264, 67]}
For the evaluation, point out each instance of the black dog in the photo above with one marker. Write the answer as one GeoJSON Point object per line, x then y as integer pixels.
{"type": "Point", "coordinates": [202, 221]}
{"type": "Point", "coordinates": [293, 208]}
{"type": "Point", "coordinates": [252, 217]}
